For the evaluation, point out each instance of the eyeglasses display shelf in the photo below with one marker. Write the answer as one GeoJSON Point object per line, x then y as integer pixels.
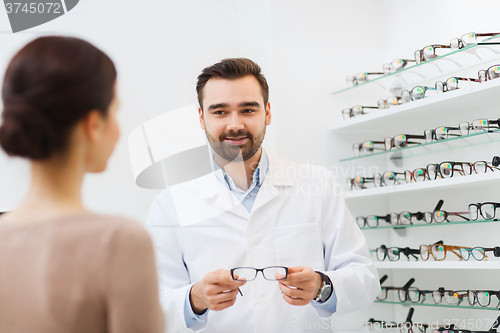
{"type": "Point", "coordinates": [456, 181]}
{"type": "Point", "coordinates": [431, 264]}
{"type": "Point", "coordinates": [468, 307]}
{"type": "Point", "coordinates": [460, 101]}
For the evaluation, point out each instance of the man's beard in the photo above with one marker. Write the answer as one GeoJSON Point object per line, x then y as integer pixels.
{"type": "Point", "coordinates": [231, 151]}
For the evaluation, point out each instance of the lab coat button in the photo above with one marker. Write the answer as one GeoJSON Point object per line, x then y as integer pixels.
{"type": "Point", "coordinates": [262, 302]}
{"type": "Point", "coordinates": [256, 241]}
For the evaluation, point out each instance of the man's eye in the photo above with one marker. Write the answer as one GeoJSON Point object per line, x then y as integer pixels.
{"type": "Point", "coordinates": [219, 112]}
{"type": "Point", "coordinates": [249, 111]}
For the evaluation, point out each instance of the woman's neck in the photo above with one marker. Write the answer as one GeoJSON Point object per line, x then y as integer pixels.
{"type": "Point", "coordinates": [55, 191]}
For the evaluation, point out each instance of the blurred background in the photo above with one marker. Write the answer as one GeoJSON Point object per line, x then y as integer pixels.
{"type": "Point", "coordinates": [305, 48]}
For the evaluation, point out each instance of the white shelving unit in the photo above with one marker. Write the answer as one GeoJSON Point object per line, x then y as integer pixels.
{"type": "Point", "coordinates": [470, 102]}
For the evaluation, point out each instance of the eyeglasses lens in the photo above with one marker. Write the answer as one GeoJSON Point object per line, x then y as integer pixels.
{"type": "Point", "coordinates": [387, 68]}
{"type": "Point", "coordinates": [418, 56]}
{"type": "Point", "coordinates": [388, 143]}
{"type": "Point", "coordinates": [381, 253]}
{"type": "Point", "coordinates": [436, 296]}
{"type": "Point", "coordinates": [454, 43]}
{"type": "Point", "coordinates": [451, 297]}
{"type": "Point", "coordinates": [359, 182]}
{"type": "Point", "coordinates": [405, 96]}
{"type": "Point", "coordinates": [438, 251]}
{"type": "Point", "coordinates": [452, 84]}
{"type": "Point", "coordinates": [440, 87]}
{"type": "Point", "coordinates": [360, 221]}
{"type": "Point", "coordinates": [483, 298]}
{"type": "Point", "coordinates": [464, 128]}
{"type": "Point", "coordinates": [480, 125]}
{"type": "Point", "coordinates": [382, 294]}
{"type": "Point", "coordinates": [414, 295]}
{"type": "Point", "coordinates": [405, 218]}
{"type": "Point", "coordinates": [274, 273]}
{"type": "Point", "coordinates": [469, 39]}
{"type": "Point", "coordinates": [377, 180]}
{"type": "Point", "coordinates": [464, 253]}
{"type": "Point", "coordinates": [488, 211]}
{"type": "Point", "coordinates": [429, 52]}
{"type": "Point", "coordinates": [398, 64]}
{"type": "Point", "coordinates": [393, 253]}
{"type": "Point", "coordinates": [400, 141]}
{"type": "Point", "coordinates": [493, 72]}
{"type": "Point", "coordinates": [417, 93]}
{"type": "Point", "coordinates": [478, 253]}
{"type": "Point", "coordinates": [473, 212]}
{"type": "Point", "coordinates": [368, 147]}
{"type": "Point", "coordinates": [394, 219]}
{"type": "Point", "coordinates": [480, 167]}
{"type": "Point", "coordinates": [351, 80]}
{"type": "Point", "coordinates": [446, 170]}
{"type": "Point", "coordinates": [428, 136]}
{"type": "Point", "coordinates": [428, 217]}
{"type": "Point", "coordinates": [357, 111]}
{"type": "Point", "coordinates": [482, 75]}
{"type": "Point", "coordinates": [372, 221]}
{"type": "Point", "coordinates": [248, 274]}
{"type": "Point", "coordinates": [432, 171]}
{"type": "Point", "coordinates": [361, 77]}
{"type": "Point", "coordinates": [424, 252]}
{"type": "Point", "coordinates": [393, 101]}
{"type": "Point", "coordinates": [439, 216]}
{"type": "Point", "coordinates": [356, 148]}
{"type": "Point", "coordinates": [419, 175]}
{"type": "Point", "coordinates": [441, 133]}
{"type": "Point", "coordinates": [471, 297]}
{"type": "Point", "coordinates": [389, 178]}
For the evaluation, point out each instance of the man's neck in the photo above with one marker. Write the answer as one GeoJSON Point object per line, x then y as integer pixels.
{"type": "Point", "coordinates": [241, 172]}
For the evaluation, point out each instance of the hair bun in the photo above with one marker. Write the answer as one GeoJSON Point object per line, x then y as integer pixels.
{"type": "Point", "coordinates": [26, 131]}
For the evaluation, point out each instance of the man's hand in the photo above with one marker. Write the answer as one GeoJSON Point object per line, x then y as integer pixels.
{"type": "Point", "coordinates": [217, 291]}
{"type": "Point", "coordinates": [301, 286]}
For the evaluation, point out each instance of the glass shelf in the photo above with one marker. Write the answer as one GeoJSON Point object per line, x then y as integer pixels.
{"type": "Point", "coordinates": [474, 139]}
{"type": "Point", "coordinates": [468, 307]}
{"type": "Point", "coordinates": [464, 50]}
{"type": "Point", "coordinates": [429, 224]}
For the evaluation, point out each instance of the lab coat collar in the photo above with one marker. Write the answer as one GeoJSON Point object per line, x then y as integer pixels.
{"type": "Point", "coordinates": [276, 176]}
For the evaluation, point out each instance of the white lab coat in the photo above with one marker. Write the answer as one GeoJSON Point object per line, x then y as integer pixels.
{"type": "Point", "coordinates": [299, 218]}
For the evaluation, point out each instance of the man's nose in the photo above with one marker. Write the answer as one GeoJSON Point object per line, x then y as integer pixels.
{"type": "Point", "coordinates": [235, 122]}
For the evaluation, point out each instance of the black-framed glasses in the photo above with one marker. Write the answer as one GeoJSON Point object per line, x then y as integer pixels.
{"type": "Point", "coordinates": [448, 169]}
{"type": "Point", "coordinates": [396, 65]}
{"type": "Point", "coordinates": [486, 209]}
{"type": "Point", "coordinates": [488, 74]}
{"type": "Point", "coordinates": [469, 39]}
{"type": "Point", "coordinates": [371, 221]}
{"type": "Point", "coordinates": [382, 295]}
{"type": "Point", "coordinates": [482, 297]}
{"type": "Point", "coordinates": [394, 253]}
{"type": "Point", "coordinates": [478, 253]}
{"type": "Point", "coordinates": [367, 147]}
{"type": "Point", "coordinates": [428, 52]}
{"type": "Point", "coordinates": [271, 273]}
{"type": "Point", "coordinates": [357, 111]}
{"type": "Point", "coordinates": [415, 93]}
{"type": "Point", "coordinates": [402, 141]}
{"type": "Point", "coordinates": [361, 77]}
{"type": "Point", "coordinates": [413, 295]}
{"type": "Point", "coordinates": [451, 297]}
{"type": "Point", "coordinates": [389, 101]}
{"type": "Point", "coordinates": [451, 84]}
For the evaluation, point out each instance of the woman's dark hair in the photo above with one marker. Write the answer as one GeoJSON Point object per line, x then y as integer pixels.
{"type": "Point", "coordinates": [49, 86]}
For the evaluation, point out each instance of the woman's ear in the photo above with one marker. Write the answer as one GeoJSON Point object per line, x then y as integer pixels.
{"type": "Point", "coordinates": [92, 125]}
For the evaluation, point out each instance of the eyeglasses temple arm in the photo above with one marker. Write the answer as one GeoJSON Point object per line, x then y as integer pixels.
{"type": "Point", "coordinates": [383, 278]}
{"type": "Point", "coordinates": [409, 316]}
{"type": "Point", "coordinates": [408, 284]}
{"type": "Point", "coordinates": [439, 205]}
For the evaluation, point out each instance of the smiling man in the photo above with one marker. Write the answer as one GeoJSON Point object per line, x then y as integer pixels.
{"type": "Point", "coordinates": [273, 248]}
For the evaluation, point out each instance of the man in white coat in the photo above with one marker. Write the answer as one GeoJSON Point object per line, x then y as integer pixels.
{"type": "Point", "coordinates": [287, 223]}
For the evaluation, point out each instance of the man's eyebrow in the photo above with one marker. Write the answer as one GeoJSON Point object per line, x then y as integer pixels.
{"type": "Point", "coordinates": [218, 106]}
{"type": "Point", "coordinates": [255, 104]}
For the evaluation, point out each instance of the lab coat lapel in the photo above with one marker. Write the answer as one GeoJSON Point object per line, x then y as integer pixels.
{"type": "Point", "coordinates": [274, 183]}
{"type": "Point", "coordinates": [211, 187]}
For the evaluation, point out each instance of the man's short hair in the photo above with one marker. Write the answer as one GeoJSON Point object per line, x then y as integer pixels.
{"type": "Point", "coordinates": [232, 69]}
